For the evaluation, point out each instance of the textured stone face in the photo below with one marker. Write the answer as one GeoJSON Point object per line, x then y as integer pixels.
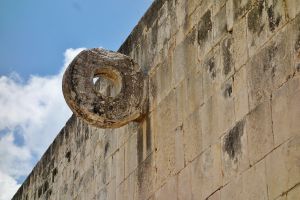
{"type": "Point", "coordinates": [95, 107]}
{"type": "Point", "coordinates": [223, 117]}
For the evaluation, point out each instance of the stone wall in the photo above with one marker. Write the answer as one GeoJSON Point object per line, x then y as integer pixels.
{"type": "Point", "coordinates": [224, 112]}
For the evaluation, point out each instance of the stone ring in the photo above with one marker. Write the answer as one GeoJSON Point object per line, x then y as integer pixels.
{"type": "Point", "coordinates": [96, 108]}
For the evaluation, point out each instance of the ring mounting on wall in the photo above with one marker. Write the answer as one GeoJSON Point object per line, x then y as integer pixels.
{"type": "Point", "coordinates": [83, 94]}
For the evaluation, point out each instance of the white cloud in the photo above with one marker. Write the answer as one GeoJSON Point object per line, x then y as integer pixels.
{"type": "Point", "coordinates": [36, 111]}
{"type": "Point", "coordinates": [8, 186]}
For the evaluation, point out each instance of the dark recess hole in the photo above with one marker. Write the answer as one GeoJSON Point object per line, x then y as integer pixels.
{"type": "Point", "coordinates": [68, 156]}
{"type": "Point", "coordinates": [54, 172]}
{"type": "Point", "coordinates": [106, 149]}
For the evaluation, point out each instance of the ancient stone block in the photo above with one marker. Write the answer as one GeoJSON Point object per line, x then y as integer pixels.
{"type": "Point", "coordinates": [181, 101]}
{"type": "Point", "coordinates": [209, 119]}
{"type": "Point", "coordinates": [200, 9]}
{"type": "Point", "coordinates": [284, 197]}
{"type": "Point", "coordinates": [240, 93]}
{"type": "Point", "coordinates": [131, 155]}
{"type": "Point", "coordinates": [184, 184]}
{"type": "Point", "coordinates": [217, 114]}
{"type": "Point", "coordinates": [254, 182]}
{"type": "Point", "coordinates": [236, 9]}
{"type": "Point", "coordinates": [153, 88]}
{"type": "Point", "coordinates": [219, 25]}
{"type": "Point", "coordinates": [285, 112]}
{"type": "Point", "coordinates": [179, 149]}
{"type": "Point", "coordinates": [102, 194]}
{"type": "Point", "coordinates": [180, 10]}
{"type": "Point", "coordinates": [163, 34]}
{"type": "Point", "coordinates": [193, 4]}
{"type": "Point", "coordinates": [206, 173]}
{"type": "Point", "coordinates": [294, 31]}
{"type": "Point", "coordinates": [166, 119]}
{"type": "Point", "coordinates": [233, 190]}
{"type": "Point", "coordinates": [211, 68]}
{"type": "Point", "coordinates": [168, 191]}
{"type": "Point", "coordinates": [185, 58]}
{"type": "Point", "coordinates": [146, 178]}
{"type": "Point", "coordinates": [263, 19]}
{"type": "Point", "coordinates": [293, 8]}
{"type": "Point", "coordinates": [294, 193]}
{"type": "Point", "coordinates": [215, 196]}
{"type": "Point", "coordinates": [259, 131]}
{"type": "Point", "coordinates": [163, 13]}
{"type": "Point", "coordinates": [123, 136]}
{"type": "Point", "coordinates": [282, 168]}
{"type": "Point", "coordinates": [269, 69]}
{"type": "Point", "coordinates": [225, 106]}
{"type": "Point", "coordinates": [165, 161]}
{"type": "Point", "coordinates": [240, 48]}
{"type": "Point", "coordinates": [120, 192]}
{"type": "Point", "coordinates": [217, 5]}
{"type": "Point", "coordinates": [194, 91]}
{"type": "Point", "coordinates": [120, 165]}
{"type": "Point", "coordinates": [229, 15]}
{"type": "Point", "coordinates": [128, 188]}
{"type": "Point", "coordinates": [192, 136]}
{"type": "Point", "coordinates": [111, 190]}
{"type": "Point", "coordinates": [165, 80]}
{"type": "Point", "coordinates": [148, 127]}
{"type": "Point", "coordinates": [250, 185]}
{"type": "Point", "coordinates": [109, 141]}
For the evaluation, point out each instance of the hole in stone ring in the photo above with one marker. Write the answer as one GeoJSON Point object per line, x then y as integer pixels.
{"type": "Point", "coordinates": [107, 82]}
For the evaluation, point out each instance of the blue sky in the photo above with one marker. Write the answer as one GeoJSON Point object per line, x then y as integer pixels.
{"type": "Point", "coordinates": [38, 40]}
{"type": "Point", "coordinates": [35, 33]}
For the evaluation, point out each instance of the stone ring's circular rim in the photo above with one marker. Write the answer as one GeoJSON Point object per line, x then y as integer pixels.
{"type": "Point", "coordinates": [92, 106]}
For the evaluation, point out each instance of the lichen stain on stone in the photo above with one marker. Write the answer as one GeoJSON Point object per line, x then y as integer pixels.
{"type": "Point", "coordinates": [49, 193]}
{"type": "Point", "coordinates": [153, 89]}
{"type": "Point", "coordinates": [227, 91]}
{"type": "Point", "coordinates": [240, 6]}
{"type": "Point", "coordinates": [233, 144]}
{"type": "Point", "coordinates": [106, 147]}
{"type": "Point", "coordinates": [144, 174]}
{"type": "Point", "coordinates": [140, 144]}
{"type": "Point", "coordinates": [255, 19]}
{"type": "Point", "coordinates": [227, 57]}
{"type": "Point", "coordinates": [205, 26]}
{"type": "Point", "coordinates": [211, 67]}
{"type": "Point", "coordinates": [40, 191]}
{"type": "Point", "coordinates": [154, 34]}
{"type": "Point", "coordinates": [273, 20]}
{"type": "Point", "coordinates": [269, 60]}
{"type": "Point", "coordinates": [148, 134]}
{"type": "Point", "coordinates": [45, 186]}
{"type": "Point", "coordinates": [191, 37]}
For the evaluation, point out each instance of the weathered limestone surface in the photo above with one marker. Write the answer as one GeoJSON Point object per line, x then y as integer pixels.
{"type": "Point", "coordinates": [224, 112]}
